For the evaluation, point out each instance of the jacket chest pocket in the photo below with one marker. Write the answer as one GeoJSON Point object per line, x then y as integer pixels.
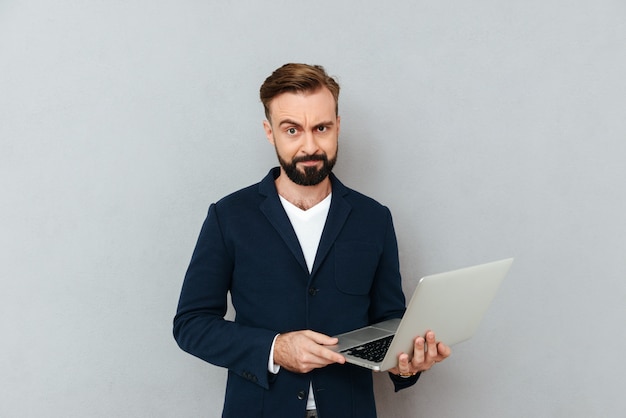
{"type": "Point", "coordinates": [355, 266]}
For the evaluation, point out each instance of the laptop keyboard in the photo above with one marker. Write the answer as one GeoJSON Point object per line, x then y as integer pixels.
{"type": "Point", "coordinates": [373, 351]}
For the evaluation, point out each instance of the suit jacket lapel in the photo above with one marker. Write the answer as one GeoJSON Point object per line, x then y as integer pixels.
{"type": "Point", "coordinates": [275, 213]}
{"type": "Point", "coordinates": [337, 216]}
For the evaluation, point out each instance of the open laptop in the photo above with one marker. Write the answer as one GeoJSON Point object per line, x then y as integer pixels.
{"type": "Point", "coordinates": [451, 304]}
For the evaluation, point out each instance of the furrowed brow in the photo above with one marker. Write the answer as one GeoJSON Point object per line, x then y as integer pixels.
{"type": "Point", "coordinates": [289, 122]}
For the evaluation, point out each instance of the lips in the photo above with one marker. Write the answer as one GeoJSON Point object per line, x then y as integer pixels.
{"type": "Point", "coordinates": [308, 158]}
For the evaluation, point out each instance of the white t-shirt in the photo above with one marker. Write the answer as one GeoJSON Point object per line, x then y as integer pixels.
{"type": "Point", "coordinates": [308, 225]}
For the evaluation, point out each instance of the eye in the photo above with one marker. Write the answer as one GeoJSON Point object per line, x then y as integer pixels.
{"type": "Point", "coordinates": [292, 131]}
{"type": "Point", "coordinates": [322, 128]}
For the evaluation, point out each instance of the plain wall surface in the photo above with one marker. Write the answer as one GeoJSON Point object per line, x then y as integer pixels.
{"type": "Point", "coordinates": [491, 129]}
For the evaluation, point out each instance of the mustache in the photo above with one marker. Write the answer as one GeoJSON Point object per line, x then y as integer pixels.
{"type": "Point", "coordinates": [314, 157]}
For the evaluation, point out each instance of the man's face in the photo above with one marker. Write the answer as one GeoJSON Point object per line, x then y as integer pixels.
{"type": "Point", "coordinates": [304, 129]}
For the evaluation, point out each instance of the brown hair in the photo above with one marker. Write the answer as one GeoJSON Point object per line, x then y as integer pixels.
{"type": "Point", "coordinates": [297, 78]}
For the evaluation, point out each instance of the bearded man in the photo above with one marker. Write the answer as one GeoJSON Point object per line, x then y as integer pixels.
{"type": "Point", "coordinates": [304, 258]}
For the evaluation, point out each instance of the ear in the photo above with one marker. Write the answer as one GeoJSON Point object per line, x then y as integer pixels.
{"type": "Point", "coordinates": [338, 124]}
{"type": "Point", "coordinates": [267, 127]}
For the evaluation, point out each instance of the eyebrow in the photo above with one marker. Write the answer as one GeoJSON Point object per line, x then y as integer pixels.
{"type": "Point", "coordinates": [292, 122]}
{"type": "Point", "coordinates": [288, 122]}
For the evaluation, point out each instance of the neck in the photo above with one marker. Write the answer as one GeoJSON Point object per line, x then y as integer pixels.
{"type": "Point", "coordinates": [304, 197]}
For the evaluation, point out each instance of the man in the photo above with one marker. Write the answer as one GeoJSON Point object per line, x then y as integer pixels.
{"type": "Point", "coordinates": [303, 257]}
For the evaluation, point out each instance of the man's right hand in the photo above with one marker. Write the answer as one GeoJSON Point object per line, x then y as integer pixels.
{"type": "Point", "coordinates": [303, 351]}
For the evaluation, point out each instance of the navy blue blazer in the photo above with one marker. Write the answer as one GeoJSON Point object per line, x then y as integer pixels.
{"type": "Point", "coordinates": [248, 247]}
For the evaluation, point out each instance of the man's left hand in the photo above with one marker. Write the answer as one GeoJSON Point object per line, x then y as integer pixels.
{"type": "Point", "coordinates": [426, 352]}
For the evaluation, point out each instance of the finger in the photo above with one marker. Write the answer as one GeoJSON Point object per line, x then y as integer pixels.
{"type": "Point", "coordinates": [443, 350]}
{"type": "Point", "coordinates": [403, 363]}
{"type": "Point", "coordinates": [316, 358]}
{"type": "Point", "coordinates": [322, 339]}
{"type": "Point", "coordinates": [418, 351]}
{"type": "Point", "coordinates": [405, 366]}
{"type": "Point", "coordinates": [424, 352]}
{"type": "Point", "coordinates": [327, 356]}
{"type": "Point", "coordinates": [317, 349]}
{"type": "Point", "coordinates": [431, 345]}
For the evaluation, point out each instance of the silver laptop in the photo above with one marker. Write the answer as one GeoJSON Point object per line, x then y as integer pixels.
{"type": "Point", "coordinates": [451, 304]}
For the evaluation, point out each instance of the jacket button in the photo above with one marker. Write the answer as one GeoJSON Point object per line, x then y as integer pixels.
{"type": "Point", "coordinates": [312, 291]}
{"type": "Point", "coordinates": [302, 395]}
{"type": "Point", "coordinates": [249, 376]}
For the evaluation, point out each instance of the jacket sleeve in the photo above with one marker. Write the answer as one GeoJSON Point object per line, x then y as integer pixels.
{"type": "Point", "coordinates": [400, 382]}
{"type": "Point", "coordinates": [386, 295]}
{"type": "Point", "coordinates": [199, 325]}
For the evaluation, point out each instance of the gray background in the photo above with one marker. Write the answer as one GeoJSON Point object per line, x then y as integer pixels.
{"type": "Point", "coordinates": [490, 128]}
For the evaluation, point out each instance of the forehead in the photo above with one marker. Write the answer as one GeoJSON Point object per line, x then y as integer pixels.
{"type": "Point", "coordinates": [318, 104]}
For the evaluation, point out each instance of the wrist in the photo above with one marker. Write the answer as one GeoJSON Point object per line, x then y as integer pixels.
{"type": "Point", "coordinates": [271, 366]}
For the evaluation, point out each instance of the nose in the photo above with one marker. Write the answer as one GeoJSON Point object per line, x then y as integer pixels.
{"type": "Point", "coordinates": [310, 145]}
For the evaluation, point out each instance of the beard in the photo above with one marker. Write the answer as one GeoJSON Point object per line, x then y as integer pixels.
{"type": "Point", "coordinates": [311, 176]}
